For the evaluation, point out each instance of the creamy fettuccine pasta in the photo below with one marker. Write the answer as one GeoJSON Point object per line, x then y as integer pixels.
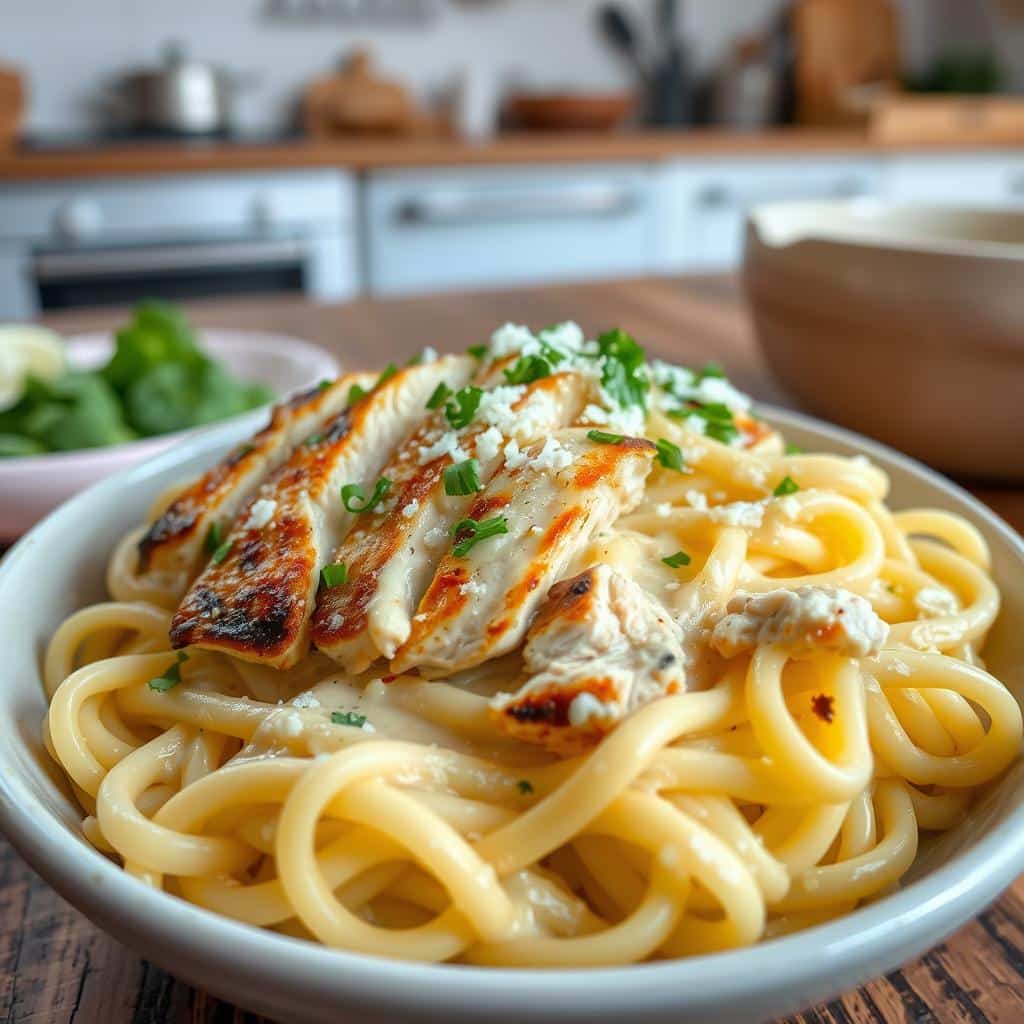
{"type": "Point", "coordinates": [544, 654]}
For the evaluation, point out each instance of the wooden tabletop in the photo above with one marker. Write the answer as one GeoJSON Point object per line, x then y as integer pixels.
{"type": "Point", "coordinates": [374, 153]}
{"type": "Point", "coordinates": [57, 968]}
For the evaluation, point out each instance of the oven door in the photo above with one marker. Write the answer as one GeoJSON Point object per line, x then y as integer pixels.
{"type": "Point", "coordinates": [120, 275]}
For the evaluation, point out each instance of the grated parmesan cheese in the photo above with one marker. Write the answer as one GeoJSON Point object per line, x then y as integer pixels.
{"type": "Point", "coordinates": [260, 514]}
{"type": "Point", "coordinates": [446, 444]}
{"type": "Point", "coordinates": [489, 443]}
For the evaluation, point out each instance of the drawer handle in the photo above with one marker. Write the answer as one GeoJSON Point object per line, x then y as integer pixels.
{"type": "Point", "coordinates": [721, 197]}
{"type": "Point", "coordinates": [454, 208]}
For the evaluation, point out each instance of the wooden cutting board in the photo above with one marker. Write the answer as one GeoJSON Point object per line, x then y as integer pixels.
{"type": "Point", "coordinates": [842, 44]}
{"type": "Point", "coordinates": [12, 106]}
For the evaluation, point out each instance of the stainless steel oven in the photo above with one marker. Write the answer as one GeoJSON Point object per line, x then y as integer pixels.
{"type": "Point", "coordinates": [78, 243]}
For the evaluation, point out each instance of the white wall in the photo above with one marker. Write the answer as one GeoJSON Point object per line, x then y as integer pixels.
{"type": "Point", "coordinates": [67, 47]}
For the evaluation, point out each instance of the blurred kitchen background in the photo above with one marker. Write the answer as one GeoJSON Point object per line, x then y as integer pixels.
{"type": "Point", "coordinates": [341, 147]}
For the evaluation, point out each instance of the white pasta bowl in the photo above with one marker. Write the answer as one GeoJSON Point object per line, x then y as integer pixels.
{"type": "Point", "coordinates": [33, 485]}
{"type": "Point", "coordinates": [59, 567]}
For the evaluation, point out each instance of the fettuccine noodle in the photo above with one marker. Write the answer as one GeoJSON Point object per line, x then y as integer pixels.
{"type": "Point", "coordinates": [782, 792]}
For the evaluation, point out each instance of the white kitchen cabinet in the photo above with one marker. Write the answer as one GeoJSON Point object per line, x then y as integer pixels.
{"type": "Point", "coordinates": [431, 230]}
{"type": "Point", "coordinates": [990, 178]}
{"type": "Point", "coordinates": [704, 202]}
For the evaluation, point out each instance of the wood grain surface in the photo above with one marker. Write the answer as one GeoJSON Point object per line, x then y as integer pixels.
{"type": "Point", "coordinates": [375, 153]}
{"type": "Point", "coordinates": [57, 968]}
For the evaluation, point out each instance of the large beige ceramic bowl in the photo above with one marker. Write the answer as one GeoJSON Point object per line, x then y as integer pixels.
{"type": "Point", "coordinates": [903, 322]}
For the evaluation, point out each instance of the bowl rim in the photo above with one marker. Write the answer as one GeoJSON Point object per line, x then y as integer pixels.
{"type": "Point", "coordinates": [874, 937]}
{"type": "Point", "coordinates": [922, 245]}
{"type": "Point", "coordinates": [223, 338]}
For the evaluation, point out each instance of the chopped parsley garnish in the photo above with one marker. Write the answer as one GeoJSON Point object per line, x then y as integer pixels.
{"type": "Point", "coordinates": [477, 351]}
{"type": "Point", "coordinates": [624, 372]}
{"type": "Point", "coordinates": [528, 369]}
{"type": "Point", "coordinates": [677, 561]}
{"type": "Point", "coordinates": [416, 360]}
{"type": "Point", "coordinates": [463, 406]}
{"type": "Point", "coordinates": [439, 396]}
{"type": "Point", "coordinates": [462, 478]}
{"type": "Point", "coordinates": [244, 450]}
{"type": "Point", "coordinates": [386, 374]}
{"type": "Point", "coordinates": [711, 369]}
{"type": "Point", "coordinates": [669, 455]}
{"type": "Point", "coordinates": [794, 449]}
{"type": "Point", "coordinates": [222, 552]}
{"type": "Point", "coordinates": [787, 485]}
{"type": "Point", "coordinates": [356, 394]}
{"type": "Point", "coordinates": [334, 575]}
{"type": "Point", "coordinates": [324, 384]}
{"type": "Point", "coordinates": [469, 532]}
{"type": "Point", "coordinates": [719, 424]}
{"type": "Point", "coordinates": [170, 679]}
{"type": "Point", "coordinates": [353, 494]}
{"type": "Point", "coordinates": [213, 537]}
{"type": "Point", "coordinates": [603, 437]}
{"type": "Point", "coordinates": [313, 439]}
{"type": "Point", "coordinates": [524, 786]}
{"type": "Point", "coordinates": [352, 718]}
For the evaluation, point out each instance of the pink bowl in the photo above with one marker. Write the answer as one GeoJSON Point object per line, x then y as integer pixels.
{"type": "Point", "coordinates": [32, 486]}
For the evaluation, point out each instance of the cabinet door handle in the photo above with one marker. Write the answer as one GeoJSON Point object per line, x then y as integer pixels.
{"type": "Point", "coordinates": [455, 208]}
{"type": "Point", "coordinates": [721, 197]}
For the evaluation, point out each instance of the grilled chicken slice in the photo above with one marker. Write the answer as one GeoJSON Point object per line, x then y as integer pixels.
{"type": "Point", "coordinates": [479, 606]}
{"type": "Point", "coordinates": [600, 646]}
{"type": "Point", "coordinates": [391, 556]}
{"type": "Point", "coordinates": [173, 547]}
{"type": "Point", "coordinates": [257, 601]}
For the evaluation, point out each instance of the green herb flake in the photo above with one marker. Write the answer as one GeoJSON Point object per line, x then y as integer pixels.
{"type": "Point", "coordinates": [352, 495]}
{"type": "Point", "coordinates": [324, 384]}
{"type": "Point", "coordinates": [213, 538]}
{"type": "Point", "coordinates": [524, 786]}
{"type": "Point", "coordinates": [624, 368]}
{"type": "Point", "coordinates": [416, 360]}
{"type": "Point", "coordinates": [356, 394]}
{"type": "Point", "coordinates": [334, 575]}
{"type": "Point", "coordinates": [677, 561]}
{"type": "Point", "coordinates": [719, 424]}
{"type": "Point", "coordinates": [478, 351]}
{"type": "Point", "coordinates": [243, 450]}
{"type": "Point", "coordinates": [794, 449]}
{"type": "Point", "coordinates": [603, 437]}
{"type": "Point", "coordinates": [463, 406]}
{"type": "Point", "coordinates": [440, 395]}
{"type": "Point", "coordinates": [352, 718]}
{"type": "Point", "coordinates": [313, 439]}
{"type": "Point", "coordinates": [467, 533]}
{"type": "Point", "coordinates": [222, 552]}
{"type": "Point", "coordinates": [386, 374]}
{"type": "Point", "coordinates": [170, 679]}
{"type": "Point", "coordinates": [528, 369]}
{"type": "Point", "coordinates": [670, 455]}
{"type": "Point", "coordinates": [462, 478]}
{"type": "Point", "coordinates": [711, 369]}
{"type": "Point", "coordinates": [787, 485]}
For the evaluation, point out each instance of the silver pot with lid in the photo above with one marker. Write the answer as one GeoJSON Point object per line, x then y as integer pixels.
{"type": "Point", "coordinates": [183, 96]}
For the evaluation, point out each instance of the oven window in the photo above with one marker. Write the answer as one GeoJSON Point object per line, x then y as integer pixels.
{"type": "Point", "coordinates": [66, 293]}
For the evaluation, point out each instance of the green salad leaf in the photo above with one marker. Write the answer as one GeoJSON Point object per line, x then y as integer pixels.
{"type": "Point", "coordinates": [158, 380]}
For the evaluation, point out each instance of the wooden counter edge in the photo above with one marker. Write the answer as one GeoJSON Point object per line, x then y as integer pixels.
{"type": "Point", "coordinates": [377, 154]}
